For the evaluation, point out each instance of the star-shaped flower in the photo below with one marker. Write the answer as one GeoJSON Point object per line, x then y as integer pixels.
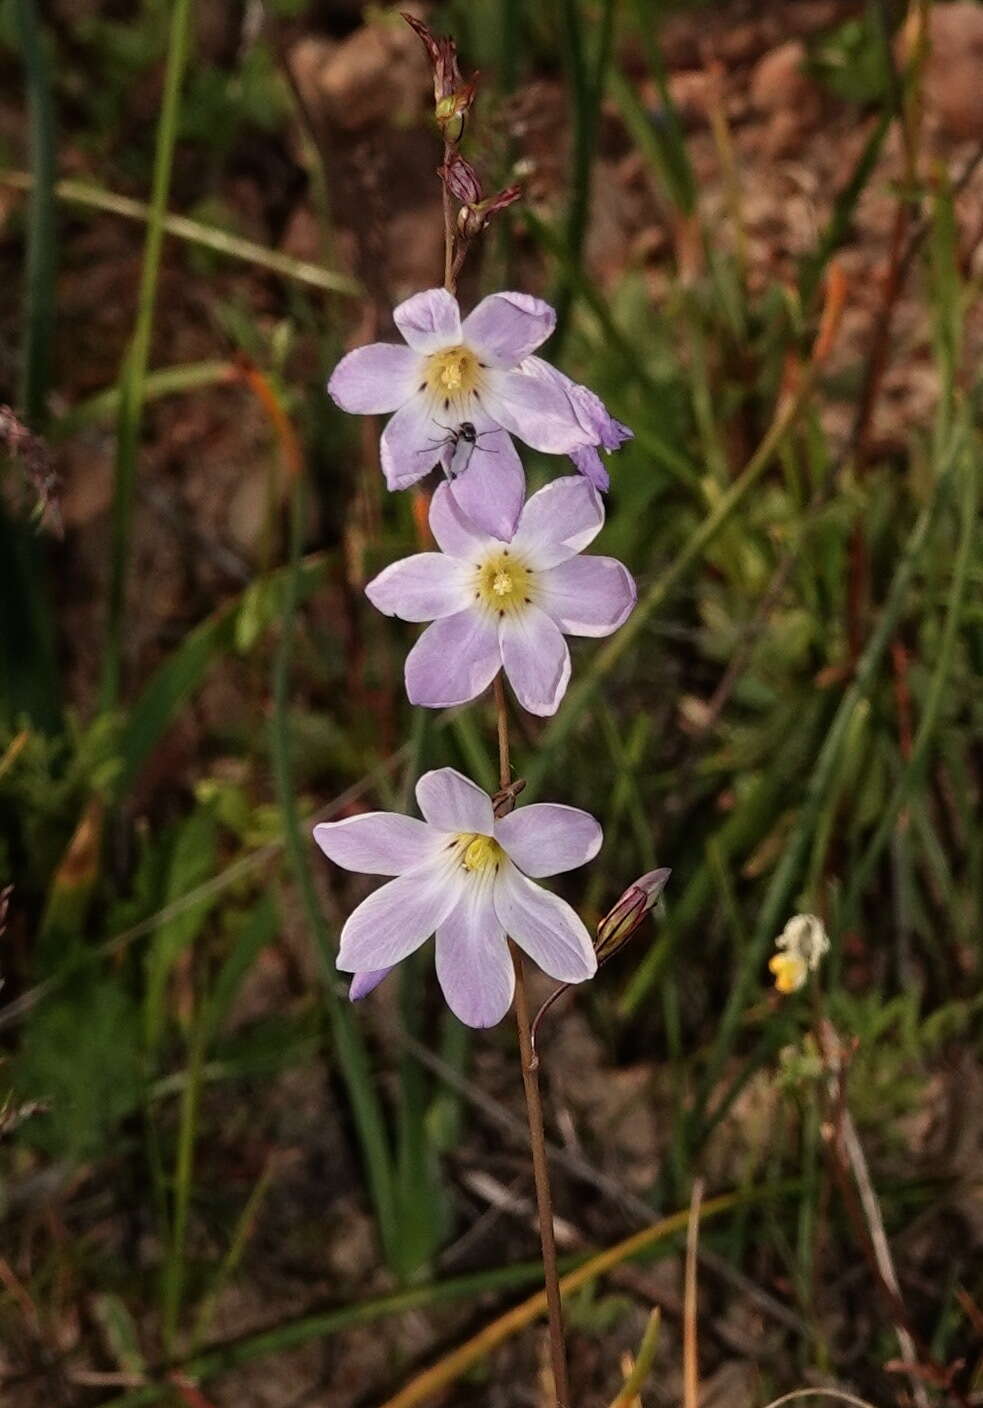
{"type": "Point", "coordinates": [505, 605]}
{"type": "Point", "coordinates": [469, 877]}
{"type": "Point", "coordinates": [460, 389]}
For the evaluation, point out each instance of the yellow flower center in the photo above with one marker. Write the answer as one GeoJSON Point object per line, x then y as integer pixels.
{"type": "Point", "coordinates": [479, 852]}
{"type": "Point", "coordinates": [790, 972]}
{"type": "Point", "coordinates": [503, 583]}
{"type": "Point", "coordinates": [453, 374]}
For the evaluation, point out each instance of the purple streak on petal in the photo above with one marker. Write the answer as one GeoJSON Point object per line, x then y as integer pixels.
{"type": "Point", "coordinates": [397, 918]}
{"type": "Point", "coordinates": [547, 838]}
{"type": "Point", "coordinates": [376, 379]}
{"type": "Point", "coordinates": [454, 660]}
{"type": "Point", "coordinates": [544, 926]}
{"type": "Point", "coordinates": [421, 588]}
{"type": "Point", "coordinates": [587, 596]}
{"type": "Point", "coordinates": [377, 843]}
{"type": "Point", "coordinates": [364, 983]}
{"type": "Point", "coordinates": [505, 327]}
{"type": "Point", "coordinates": [411, 444]}
{"type": "Point", "coordinates": [536, 660]}
{"type": "Point", "coordinates": [456, 534]}
{"type": "Point", "coordinates": [430, 320]}
{"type": "Point", "coordinates": [558, 522]}
{"type": "Point", "coordinates": [536, 411]}
{"type": "Point", "coordinates": [474, 966]}
{"type": "Point", "coordinates": [492, 488]}
{"type": "Point", "coordinates": [591, 466]}
{"type": "Point", "coordinates": [452, 802]}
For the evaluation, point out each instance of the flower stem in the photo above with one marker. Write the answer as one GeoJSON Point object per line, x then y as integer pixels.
{"type": "Point", "coordinates": [450, 273]}
{"type": "Point", "coordinates": [534, 1114]}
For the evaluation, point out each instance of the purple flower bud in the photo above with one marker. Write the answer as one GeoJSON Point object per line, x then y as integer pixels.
{"type": "Point", "coordinates": [620, 923]}
{"type": "Point", "coordinates": [461, 179]}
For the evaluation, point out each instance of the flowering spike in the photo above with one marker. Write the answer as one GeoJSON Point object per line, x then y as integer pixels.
{"type": "Point", "coordinates": [621, 922]}
{"type": "Point", "coordinates": [453, 98]}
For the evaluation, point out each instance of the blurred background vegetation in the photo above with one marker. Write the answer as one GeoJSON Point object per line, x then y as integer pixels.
{"type": "Point", "coordinates": [761, 225]}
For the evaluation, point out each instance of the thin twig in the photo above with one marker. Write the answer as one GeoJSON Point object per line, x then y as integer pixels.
{"type": "Point", "coordinates": [541, 1177]}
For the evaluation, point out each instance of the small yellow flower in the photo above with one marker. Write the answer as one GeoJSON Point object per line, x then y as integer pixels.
{"type": "Point", "coordinates": [790, 972]}
{"type": "Point", "coordinates": [801, 946]}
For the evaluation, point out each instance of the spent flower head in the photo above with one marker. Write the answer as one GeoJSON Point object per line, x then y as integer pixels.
{"type": "Point", "coordinates": [453, 97]}
{"type": "Point", "coordinates": [509, 605]}
{"type": "Point", "coordinates": [467, 876]}
{"type": "Point", "coordinates": [801, 945]}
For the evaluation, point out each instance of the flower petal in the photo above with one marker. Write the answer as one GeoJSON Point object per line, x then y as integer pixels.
{"type": "Point", "coordinates": [378, 843]}
{"type": "Point", "coordinates": [452, 802]}
{"type": "Point", "coordinates": [544, 926]}
{"type": "Point", "coordinates": [474, 966]}
{"type": "Point", "coordinates": [364, 983]}
{"type": "Point", "coordinates": [535, 410]}
{"type": "Point", "coordinates": [454, 660]}
{"type": "Point", "coordinates": [456, 534]}
{"type": "Point", "coordinates": [547, 838]}
{"type": "Point", "coordinates": [429, 320]}
{"type": "Point", "coordinates": [594, 417]}
{"type": "Point", "coordinates": [411, 443]}
{"type": "Point", "coordinates": [375, 379]}
{"type": "Point", "coordinates": [421, 588]}
{"type": "Point", "coordinates": [587, 596]}
{"type": "Point", "coordinates": [492, 488]}
{"type": "Point", "coordinates": [591, 466]}
{"type": "Point", "coordinates": [397, 918]}
{"type": "Point", "coordinates": [505, 327]}
{"type": "Point", "coordinates": [559, 521]}
{"type": "Point", "coordinates": [536, 659]}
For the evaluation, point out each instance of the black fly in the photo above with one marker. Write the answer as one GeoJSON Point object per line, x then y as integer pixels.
{"type": "Point", "coordinates": [464, 441]}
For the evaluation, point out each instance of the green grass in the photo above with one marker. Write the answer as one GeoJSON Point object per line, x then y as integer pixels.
{"type": "Point", "coordinates": [159, 844]}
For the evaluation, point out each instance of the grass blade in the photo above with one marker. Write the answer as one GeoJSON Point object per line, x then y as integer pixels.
{"type": "Point", "coordinates": [348, 1045]}
{"type": "Point", "coordinates": [137, 357]}
{"type": "Point", "coordinates": [41, 249]}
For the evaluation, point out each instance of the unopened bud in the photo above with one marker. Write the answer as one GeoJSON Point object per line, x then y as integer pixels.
{"type": "Point", "coordinates": [461, 179]}
{"type": "Point", "coordinates": [621, 922]}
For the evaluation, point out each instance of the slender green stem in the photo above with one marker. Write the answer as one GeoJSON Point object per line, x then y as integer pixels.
{"type": "Point", "coordinates": [925, 736]}
{"type": "Point", "coordinates": [183, 1177]}
{"type": "Point", "coordinates": [587, 88]}
{"type": "Point", "coordinates": [224, 1358]}
{"type": "Point", "coordinates": [581, 694]}
{"type": "Point", "coordinates": [782, 886]}
{"type": "Point", "coordinates": [194, 232]}
{"type": "Point", "coordinates": [41, 251]}
{"type": "Point", "coordinates": [348, 1045]}
{"type": "Point", "coordinates": [138, 354]}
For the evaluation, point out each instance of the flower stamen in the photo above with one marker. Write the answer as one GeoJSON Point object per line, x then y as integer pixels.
{"type": "Point", "coordinates": [503, 583]}
{"type": "Point", "coordinates": [479, 852]}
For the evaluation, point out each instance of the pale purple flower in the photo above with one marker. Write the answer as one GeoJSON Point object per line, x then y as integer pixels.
{"type": "Point", "coordinates": [505, 606]}
{"type": "Point", "coordinates": [593, 417]}
{"type": "Point", "coordinates": [467, 876]}
{"type": "Point", "coordinates": [456, 389]}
